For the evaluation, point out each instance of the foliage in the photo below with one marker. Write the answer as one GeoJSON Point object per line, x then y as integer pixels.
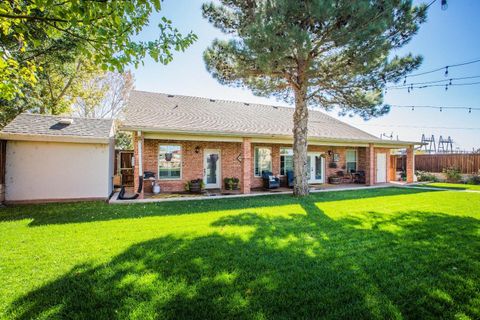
{"type": "Point", "coordinates": [231, 183]}
{"type": "Point", "coordinates": [316, 53]}
{"type": "Point", "coordinates": [104, 96]}
{"type": "Point", "coordinates": [368, 254]}
{"type": "Point", "coordinates": [123, 140]}
{"type": "Point", "coordinates": [195, 182]}
{"type": "Point", "coordinates": [452, 174]}
{"type": "Point", "coordinates": [426, 176]}
{"type": "Point", "coordinates": [474, 179]}
{"type": "Point", "coordinates": [102, 32]}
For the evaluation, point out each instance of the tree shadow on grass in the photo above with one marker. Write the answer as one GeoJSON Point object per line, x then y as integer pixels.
{"type": "Point", "coordinates": [299, 266]}
{"type": "Point", "coordinates": [99, 211]}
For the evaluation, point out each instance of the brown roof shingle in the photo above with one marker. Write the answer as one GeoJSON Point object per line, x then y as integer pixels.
{"type": "Point", "coordinates": [163, 112]}
{"type": "Point", "coordinates": [46, 125]}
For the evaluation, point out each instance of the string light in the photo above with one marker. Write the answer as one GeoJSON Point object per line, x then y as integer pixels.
{"type": "Point", "coordinates": [444, 5]}
{"type": "Point", "coordinates": [446, 71]}
{"type": "Point", "coordinates": [441, 108]}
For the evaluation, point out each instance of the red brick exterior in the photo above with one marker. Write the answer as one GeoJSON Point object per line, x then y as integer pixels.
{"type": "Point", "coordinates": [237, 160]}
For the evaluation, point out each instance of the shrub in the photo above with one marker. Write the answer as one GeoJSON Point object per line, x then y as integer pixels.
{"type": "Point", "coordinates": [453, 174]}
{"type": "Point", "coordinates": [475, 179]}
{"type": "Point", "coordinates": [426, 176]}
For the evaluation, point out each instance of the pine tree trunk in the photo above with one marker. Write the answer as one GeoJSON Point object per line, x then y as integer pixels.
{"type": "Point", "coordinates": [300, 130]}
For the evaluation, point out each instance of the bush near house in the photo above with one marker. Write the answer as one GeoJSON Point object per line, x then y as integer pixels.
{"type": "Point", "coordinates": [453, 174]}
{"type": "Point", "coordinates": [423, 176]}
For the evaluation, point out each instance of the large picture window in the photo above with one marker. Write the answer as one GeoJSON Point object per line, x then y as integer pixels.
{"type": "Point", "coordinates": [286, 160]}
{"type": "Point", "coordinates": [169, 162]}
{"type": "Point", "coordinates": [262, 160]}
{"type": "Point", "coordinates": [351, 160]}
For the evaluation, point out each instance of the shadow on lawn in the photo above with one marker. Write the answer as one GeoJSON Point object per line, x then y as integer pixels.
{"type": "Point", "coordinates": [100, 211]}
{"type": "Point", "coordinates": [301, 266]}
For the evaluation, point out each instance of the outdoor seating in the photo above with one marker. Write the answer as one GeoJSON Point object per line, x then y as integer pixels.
{"type": "Point", "coordinates": [359, 177]}
{"type": "Point", "coordinates": [290, 178]}
{"type": "Point", "coordinates": [269, 180]}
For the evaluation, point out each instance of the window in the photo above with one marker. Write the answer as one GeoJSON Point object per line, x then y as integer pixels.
{"type": "Point", "coordinates": [286, 160]}
{"type": "Point", "coordinates": [351, 160]}
{"type": "Point", "coordinates": [262, 160]}
{"type": "Point", "coordinates": [169, 162]}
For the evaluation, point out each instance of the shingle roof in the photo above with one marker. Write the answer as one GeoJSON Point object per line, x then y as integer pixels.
{"type": "Point", "coordinates": [158, 111]}
{"type": "Point", "coordinates": [43, 125]}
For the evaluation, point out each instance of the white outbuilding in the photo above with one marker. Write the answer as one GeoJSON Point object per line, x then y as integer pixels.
{"type": "Point", "coordinates": [55, 158]}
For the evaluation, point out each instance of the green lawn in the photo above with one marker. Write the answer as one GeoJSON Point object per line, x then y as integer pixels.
{"type": "Point", "coordinates": [371, 254]}
{"type": "Point", "coordinates": [459, 186]}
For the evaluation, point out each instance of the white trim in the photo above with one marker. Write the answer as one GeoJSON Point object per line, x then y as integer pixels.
{"type": "Point", "coordinates": [218, 185]}
{"type": "Point", "coordinates": [254, 159]}
{"type": "Point", "coordinates": [356, 158]}
{"type": "Point", "coordinates": [158, 162]}
{"type": "Point", "coordinates": [52, 138]}
{"type": "Point", "coordinates": [159, 133]}
{"type": "Point", "coordinates": [377, 167]}
{"type": "Point", "coordinates": [322, 164]}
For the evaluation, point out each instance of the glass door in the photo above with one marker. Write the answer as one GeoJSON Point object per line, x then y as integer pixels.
{"type": "Point", "coordinates": [211, 168]}
{"type": "Point", "coordinates": [315, 164]}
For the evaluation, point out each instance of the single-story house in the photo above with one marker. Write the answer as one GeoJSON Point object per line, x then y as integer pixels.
{"type": "Point", "coordinates": [181, 138]}
{"type": "Point", "coordinates": [53, 158]}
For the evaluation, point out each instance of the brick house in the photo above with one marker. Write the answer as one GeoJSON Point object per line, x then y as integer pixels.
{"type": "Point", "coordinates": [180, 138]}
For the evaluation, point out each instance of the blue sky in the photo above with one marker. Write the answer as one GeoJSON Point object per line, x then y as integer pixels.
{"type": "Point", "coordinates": [448, 37]}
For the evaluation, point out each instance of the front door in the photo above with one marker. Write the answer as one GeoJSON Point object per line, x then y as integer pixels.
{"type": "Point", "coordinates": [315, 168]}
{"type": "Point", "coordinates": [211, 168]}
{"type": "Point", "coordinates": [381, 168]}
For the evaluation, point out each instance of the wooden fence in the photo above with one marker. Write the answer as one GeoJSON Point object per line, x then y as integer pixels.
{"type": "Point", "coordinates": [466, 163]}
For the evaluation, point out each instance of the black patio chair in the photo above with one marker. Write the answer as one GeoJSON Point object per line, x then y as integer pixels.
{"type": "Point", "coordinates": [269, 180]}
{"type": "Point", "coordinates": [290, 178]}
{"type": "Point", "coordinates": [359, 177]}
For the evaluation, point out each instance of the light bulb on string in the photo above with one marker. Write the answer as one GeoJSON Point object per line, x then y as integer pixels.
{"type": "Point", "coordinates": [444, 5]}
{"type": "Point", "coordinates": [469, 110]}
{"type": "Point", "coordinates": [446, 71]}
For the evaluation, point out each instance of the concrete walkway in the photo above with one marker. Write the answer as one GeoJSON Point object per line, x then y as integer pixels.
{"type": "Point", "coordinates": [114, 198]}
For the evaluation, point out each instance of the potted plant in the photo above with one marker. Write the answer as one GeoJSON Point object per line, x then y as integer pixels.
{"type": "Point", "coordinates": [231, 183]}
{"type": "Point", "coordinates": [195, 186]}
{"type": "Point", "coordinates": [332, 165]}
{"type": "Point", "coordinates": [235, 182]}
{"type": "Point", "coordinates": [334, 179]}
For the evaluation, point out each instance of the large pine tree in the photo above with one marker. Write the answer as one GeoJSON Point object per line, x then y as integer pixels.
{"type": "Point", "coordinates": [317, 53]}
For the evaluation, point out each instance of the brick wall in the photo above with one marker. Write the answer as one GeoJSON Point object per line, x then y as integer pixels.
{"type": "Point", "coordinates": [192, 162]}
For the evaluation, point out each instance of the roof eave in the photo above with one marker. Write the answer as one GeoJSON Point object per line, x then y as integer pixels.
{"type": "Point", "coordinates": [393, 143]}
{"type": "Point", "coordinates": [52, 138]}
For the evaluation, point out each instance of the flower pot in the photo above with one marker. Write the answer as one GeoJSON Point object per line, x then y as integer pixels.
{"type": "Point", "coordinates": [335, 180]}
{"type": "Point", "coordinates": [195, 186]}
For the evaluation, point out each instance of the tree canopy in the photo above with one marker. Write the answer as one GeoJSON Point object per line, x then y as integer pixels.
{"type": "Point", "coordinates": [103, 32]}
{"type": "Point", "coordinates": [317, 53]}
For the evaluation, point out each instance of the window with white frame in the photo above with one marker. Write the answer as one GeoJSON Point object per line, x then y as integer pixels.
{"type": "Point", "coordinates": [169, 162]}
{"type": "Point", "coordinates": [286, 160]}
{"type": "Point", "coordinates": [262, 159]}
{"type": "Point", "coordinates": [351, 160]}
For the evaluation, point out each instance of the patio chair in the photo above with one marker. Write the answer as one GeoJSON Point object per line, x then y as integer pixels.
{"type": "Point", "coordinates": [359, 177]}
{"type": "Point", "coordinates": [269, 180]}
{"type": "Point", "coordinates": [290, 178]}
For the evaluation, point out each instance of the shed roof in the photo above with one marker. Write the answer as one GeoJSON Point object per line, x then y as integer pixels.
{"type": "Point", "coordinates": [27, 126]}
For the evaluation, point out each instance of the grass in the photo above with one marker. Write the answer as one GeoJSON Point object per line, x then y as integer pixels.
{"type": "Point", "coordinates": [457, 186]}
{"type": "Point", "coordinates": [380, 253]}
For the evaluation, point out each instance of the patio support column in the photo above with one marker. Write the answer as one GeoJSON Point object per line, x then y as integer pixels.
{"type": "Point", "coordinates": [246, 165]}
{"type": "Point", "coordinates": [370, 165]}
{"type": "Point", "coordinates": [138, 143]}
{"type": "Point", "coordinates": [410, 164]}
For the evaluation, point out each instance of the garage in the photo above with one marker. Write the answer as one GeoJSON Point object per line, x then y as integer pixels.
{"type": "Point", "coordinates": [54, 158]}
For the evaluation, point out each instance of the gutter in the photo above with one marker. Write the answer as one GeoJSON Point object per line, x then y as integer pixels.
{"type": "Point", "coordinates": [52, 138]}
{"type": "Point", "coordinates": [376, 142]}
